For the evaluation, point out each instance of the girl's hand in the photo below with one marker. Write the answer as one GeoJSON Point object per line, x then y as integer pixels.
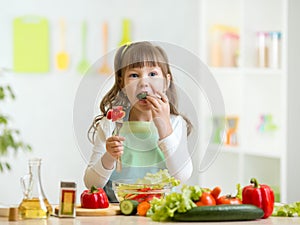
{"type": "Point", "coordinates": [114, 146]}
{"type": "Point", "coordinates": [161, 113]}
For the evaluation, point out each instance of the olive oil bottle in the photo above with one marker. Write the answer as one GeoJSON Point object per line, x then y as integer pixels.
{"type": "Point", "coordinates": [35, 209]}
{"type": "Point", "coordinates": [34, 204]}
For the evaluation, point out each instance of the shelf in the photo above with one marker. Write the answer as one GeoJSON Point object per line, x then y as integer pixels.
{"type": "Point", "coordinates": [226, 70]}
{"type": "Point", "coordinates": [238, 71]}
{"type": "Point", "coordinates": [262, 71]}
{"type": "Point", "coordinates": [246, 151]}
{"type": "Point", "coordinates": [257, 95]}
{"type": "Point", "coordinates": [225, 148]}
{"type": "Point", "coordinates": [263, 153]}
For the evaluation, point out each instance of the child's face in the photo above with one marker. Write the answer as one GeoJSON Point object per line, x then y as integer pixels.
{"type": "Point", "coordinates": [145, 79]}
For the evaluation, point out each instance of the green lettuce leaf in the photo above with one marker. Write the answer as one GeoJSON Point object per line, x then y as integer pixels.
{"type": "Point", "coordinates": [163, 209]}
{"type": "Point", "coordinates": [287, 210]}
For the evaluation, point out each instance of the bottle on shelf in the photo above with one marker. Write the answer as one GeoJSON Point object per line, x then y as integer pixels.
{"type": "Point", "coordinates": [215, 50]}
{"type": "Point", "coordinates": [224, 46]}
{"type": "Point", "coordinates": [262, 49]}
{"type": "Point", "coordinates": [274, 49]}
{"type": "Point", "coordinates": [230, 49]}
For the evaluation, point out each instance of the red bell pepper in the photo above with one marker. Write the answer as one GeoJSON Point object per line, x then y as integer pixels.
{"type": "Point", "coordinates": [260, 195]}
{"type": "Point", "coordinates": [94, 199]}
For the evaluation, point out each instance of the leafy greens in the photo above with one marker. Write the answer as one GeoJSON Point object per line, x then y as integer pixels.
{"type": "Point", "coordinates": [287, 210]}
{"type": "Point", "coordinates": [163, 209]}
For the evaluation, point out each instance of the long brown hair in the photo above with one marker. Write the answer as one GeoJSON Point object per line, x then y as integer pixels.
{"type": "Point", "coordinates": [137, 55]}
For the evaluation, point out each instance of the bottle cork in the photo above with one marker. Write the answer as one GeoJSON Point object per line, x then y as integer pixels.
{"type": "Point", "coordinates": [13, 214]}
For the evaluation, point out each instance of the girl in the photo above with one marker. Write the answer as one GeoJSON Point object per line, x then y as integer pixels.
{"type": "Point", "coordinates": [153, 135]}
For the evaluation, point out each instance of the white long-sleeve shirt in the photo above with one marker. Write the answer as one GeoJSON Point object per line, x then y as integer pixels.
{"type": "Point", "coordinates": [174, 148]}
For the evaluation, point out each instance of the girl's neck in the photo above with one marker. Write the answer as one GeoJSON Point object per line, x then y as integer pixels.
{"type": "Point", "coordinates": [136, 115]}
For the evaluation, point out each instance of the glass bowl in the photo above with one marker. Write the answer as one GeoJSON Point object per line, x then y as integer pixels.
{"type": "Point", "coordinates": [126, 189]}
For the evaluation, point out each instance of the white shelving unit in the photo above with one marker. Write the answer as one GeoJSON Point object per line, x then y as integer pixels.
{"type": "Point", "coordinates": [248, 92]}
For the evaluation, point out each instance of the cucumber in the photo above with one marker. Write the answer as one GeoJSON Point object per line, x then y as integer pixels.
{"type": "Point", "coordinates": [128, 207]}
{"type": "Point", "coordinates": [220, 213]}
{"type": "Point", "coordinates": [142, 95]}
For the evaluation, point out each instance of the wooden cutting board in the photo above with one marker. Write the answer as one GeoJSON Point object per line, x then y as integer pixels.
{"type": "Point", "coordinates": [4, 211]}
{"type": "Point", "coordinates": [112, 210]}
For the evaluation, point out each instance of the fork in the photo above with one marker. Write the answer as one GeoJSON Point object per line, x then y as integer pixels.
{"type": "Point", "coordinates": [116, 132]}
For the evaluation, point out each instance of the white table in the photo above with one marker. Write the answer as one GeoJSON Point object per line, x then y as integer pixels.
{"type": "Point", "coordinates": [137, 220]}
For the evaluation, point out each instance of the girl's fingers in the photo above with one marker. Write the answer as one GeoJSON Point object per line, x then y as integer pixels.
{"type": "Point", "coordinates": [115, 151]}
{"type": "Point", "coordinates": [114, 145]}
{"type": "Point", "coordinates": [159, 102]}
{"type": "Point", "coordinates": [158, 97]}
{"type": "Point", "coordinates": [162, 96]}
{"type": "Point", "coordinates": [115, 138]}
{"type": "Point", "coordinates": [155, 100]}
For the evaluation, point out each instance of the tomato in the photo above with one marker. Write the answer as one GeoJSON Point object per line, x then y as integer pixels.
{"type": "Point", "coordinates": [151, 196]}
{"type": "Point", "coordinates": [143, 195]}
{"type": "Point", "coordinates": [206, 199]}
{"type": "Point", "coordinates": [216, 192]}
{"type": "Point", "coordinates": [228, 200]}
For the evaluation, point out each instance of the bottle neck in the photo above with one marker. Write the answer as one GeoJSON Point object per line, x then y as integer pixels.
{"type": "Point", "coordinates": [35, 185]}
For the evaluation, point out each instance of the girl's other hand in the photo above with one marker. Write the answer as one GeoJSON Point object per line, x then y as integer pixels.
{"type": "Point", "coordinates": [160, 104]}
{"type": "Point", "coordinates": [114, 146]}
{"type": "Point", "coordinates": [161, 113]}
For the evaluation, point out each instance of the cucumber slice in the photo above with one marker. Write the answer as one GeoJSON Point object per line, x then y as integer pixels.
{"type": "Point", "coordinates": [128, 207]}
{"type": "Point", "coordinates": [142, 95]}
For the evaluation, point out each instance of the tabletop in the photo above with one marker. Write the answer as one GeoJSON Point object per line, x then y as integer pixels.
{"type": "Point", "coordinates": [137, 220]}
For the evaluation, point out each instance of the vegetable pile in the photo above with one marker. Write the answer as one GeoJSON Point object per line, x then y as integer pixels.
{"type": "Point", "coordinates": [194, 203]}
{"type": "Point", "coordinates": [190, 197]}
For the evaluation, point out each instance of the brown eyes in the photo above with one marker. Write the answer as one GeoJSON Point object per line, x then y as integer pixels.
{"type": "Point", "coordinates": [135, 75]}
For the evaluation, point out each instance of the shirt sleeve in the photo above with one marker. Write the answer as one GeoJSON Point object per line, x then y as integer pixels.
{"type": "Point", "coordinates": [175, 150]}
{"type": "Point", "coordinates": [95, 173]}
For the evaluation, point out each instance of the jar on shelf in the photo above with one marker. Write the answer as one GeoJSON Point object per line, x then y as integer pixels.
{"type": "Point", "coordinates": [262, 49]}
{"type": "Point", "coordinates": [215, 50]}
{"type": "Point", "coordinates": [230, 49]}
{"type": "Point", "coordinates": [274, 49]}
{"type": "Point", "coordinates": [222, 44]}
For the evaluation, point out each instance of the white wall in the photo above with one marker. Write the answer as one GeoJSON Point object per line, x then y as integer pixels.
{"type": "Point", "coordinates": [293, 107]}
{"type": "Point", "coordinates": [43, 111]}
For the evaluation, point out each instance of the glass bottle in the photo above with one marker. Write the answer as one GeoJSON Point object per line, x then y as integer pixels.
{"type": "Point", "coordinates": [230, 48]}
{"type": "Point", "coordinates": [274, 49]}
{"type": "Point", "coordinates": [215, 50]}
{"type": "Point", "coordinates": [34, 204]}
{"type": "Point", "coordinates": [262, 49]}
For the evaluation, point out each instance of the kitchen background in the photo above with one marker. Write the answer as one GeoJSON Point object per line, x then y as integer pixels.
{"type": "Point", "coordinates": [260, 99]}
